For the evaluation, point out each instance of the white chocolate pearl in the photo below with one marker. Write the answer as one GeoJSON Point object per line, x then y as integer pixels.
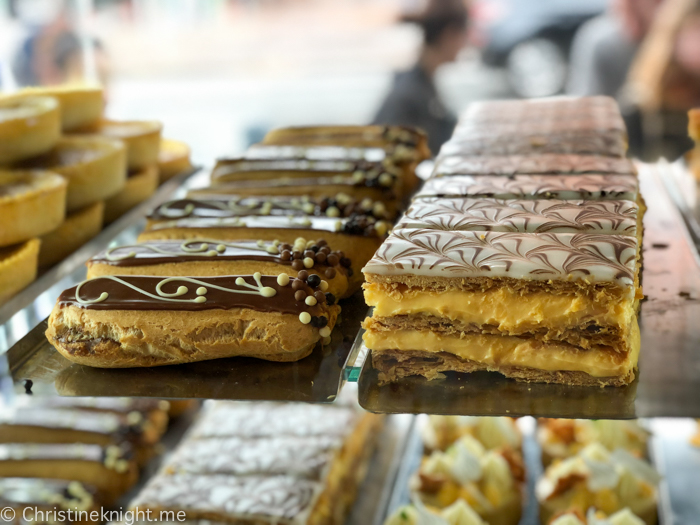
{"type": "Point", "coordinates": [273, 250]}
{"type": "Point", "coordinates": [338, 225]}
{"type": "Point", "coordinates": [324, 332]}
{"type": "Point", "coordinates": [283, 279]}
{"type": "Point", "coordinates": [310, 300]}
{"type": "Point", "coordinates": [261, 243]}
{"type": "Point", "coordinates": [201, 290]}
{"type": "Point", "coordinates": [309, 244]}
{"type": "Point", "coordinates": [308, 208]}
{"type": "Point", "coordinates": [385, 179]}
{"type": "Point", "coordinates": [220, 248]}
{"type": "Point", "coordinates": [381, 228]}
{"type": "Point", "coordinates": [332, 211]}
{"type": "Point", "coordinates": [358, 176]}
{"type": "Point", "coordinates": [323, 286]}
{"type": "Point", "coordinates": [343, 198]}
{"type": "Point", "coordinates": [305, 317]}
{"type": "Point", "coordinates": [240, 281]}
{"type": "Point", "coordinates": [308, 262]}
{"type": "Point", "coordinates": [378, 209]}
{"type": "Point", "coordinates": [366, 204]}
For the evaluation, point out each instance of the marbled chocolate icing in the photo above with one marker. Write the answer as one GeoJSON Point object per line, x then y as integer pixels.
{"type": "Point", "coordinates": [594, 258]}
{"type": "Point", "coordinates": [258, 420]}
{"type": "Point", "coordinates": [278, 499]}
{"type": "Point", "coordinates": [534, 216]}
{"type": "Point", "coordinates": [563, 187]}
{"type": "Point", "coordinates": [545, 164]}
{"type": "Point", "coordinates": [304, 457]}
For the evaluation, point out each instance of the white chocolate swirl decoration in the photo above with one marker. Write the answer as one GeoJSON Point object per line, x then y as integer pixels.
{"type": "Point", "coordinates": [594, 258]}
{"type": "Point", "coordinates": [563, 187]}
{"type": "Point", "coordinates": [534, 216]}
{"type": "Point", "coordinates": [204, 247]}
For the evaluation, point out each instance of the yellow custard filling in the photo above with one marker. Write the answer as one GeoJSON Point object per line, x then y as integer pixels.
{"type": "Point", "coordinates": [501, 308]}
{"type": "Point", "coordinates": [497, 351]}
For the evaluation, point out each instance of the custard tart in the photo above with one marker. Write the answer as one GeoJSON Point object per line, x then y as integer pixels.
{"type": "Point", "coordinates": [29, 126]}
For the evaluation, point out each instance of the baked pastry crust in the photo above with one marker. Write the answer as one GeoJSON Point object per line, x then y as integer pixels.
{"type": "Point", "coordinates": [173, 159]}
{"type": "Point", "coordinates": [18, 267]}
{"type": "Point", "coordinates": [81, 105]}
{"type": "Point", "coordinates": [32, 203]}
{"type": "Point", "coordinates": [141, 137]}
{"type": "Point", "coordinates": [79, 227]}
{"type": "Point", "coordinates": [94, 167]}
{"type": "Point", "coordinates": [138, 188]}
{"type": "Point", "coordinates": [29, 126]}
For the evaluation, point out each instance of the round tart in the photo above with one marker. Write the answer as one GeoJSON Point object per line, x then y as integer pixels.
{"type": "Point", "coordinates": [142, 139]}
{"type": "Point", "coordinates": [81, 106]}
{"type": "Point", "coordinates": [18, 266]}
{"type": "Point", "coordinates": [173, 159]}
{"type": "Point", "coordinates": [78, 228]}
{"type": "Point", "coordinates": [29, 126]}
{"type": "Point", "coordinates": [139, 187]}
{"type": "Point", "coordinates": [94, 166]}
{"type": "Point", "coordinates": [32, 203]}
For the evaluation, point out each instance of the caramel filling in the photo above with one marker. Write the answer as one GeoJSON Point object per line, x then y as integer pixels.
{"type": "Point", "coordinates": [510, 312]}
{"type": "Point", "coordinates": [502, 351]}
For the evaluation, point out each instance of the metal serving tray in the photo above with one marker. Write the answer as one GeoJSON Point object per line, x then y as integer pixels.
{"type": "Point", "coordinates": [29, 364]}
{"type": "Point", "coordinates": [668, 384]}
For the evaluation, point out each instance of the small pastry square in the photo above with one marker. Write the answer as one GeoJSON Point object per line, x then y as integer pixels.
{"type": "Point", "coordinates": [216, 257]}
{"type": "Point", "coordinates": [126, 321]}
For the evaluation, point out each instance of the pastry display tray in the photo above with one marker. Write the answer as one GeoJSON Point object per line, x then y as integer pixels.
{"type": "Point", "coordinates": [670, 452]}
{"type": "Point", "coordinates": [668, 383]}
{"type": "Point", "coordinates": [29, 364]}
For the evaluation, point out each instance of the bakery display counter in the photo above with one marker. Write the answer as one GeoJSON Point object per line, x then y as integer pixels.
{"type": "Point", "coordinates": [668, 383]}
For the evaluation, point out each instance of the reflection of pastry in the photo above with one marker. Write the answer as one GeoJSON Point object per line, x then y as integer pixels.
{"type": "Point", "coordinates": [593, 517]}
{"type": "Point", "coordinates": [563, 438]}
{"type": "Point", "coordinates": [139, 187]}
{"type": "Point", "coordinates": [94, 167]}
{"type": "Point", "coordinates": [440, 432]}
{"type": "Point", "coordinates": [109, 469]}
{"type": "Point", "coordinates": [216, 257]}
{"type": "Point", "coordinates": [32, 203]}
{"type": "Point", "coordinates": [269, 463]}
{"type": "Point", "coordinates": [28, 127]}
{"type": "Point", "coordinates": [173, 159]}
{"type": "Point", "coordinates": [597, 478]}
{"type": "Point", "coordinates": [141, 137]}
{"type": "Point", "coordinates": [18, 266]}
{"type": "Point", "coordinates": [81, 105]}
{"type": "Point", "coordinates": [126, 321]}
{"type": "Point", "coordinates": [79, 227]}
{"type": "Point", "coordinates": [489, 481]}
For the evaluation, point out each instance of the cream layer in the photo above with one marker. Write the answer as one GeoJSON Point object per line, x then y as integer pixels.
{"type": "Point", "coordinates": [500, 351]}
{"type": "Point", "coordinates": [510, 312]}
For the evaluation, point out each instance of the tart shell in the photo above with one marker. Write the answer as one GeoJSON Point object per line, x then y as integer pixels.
{"type": "Point", "coordinates": [141, 137]}
{"type": "Point", "coordinates": [29, 126]}
{"type": "Point", "coordinates": [18, 267]}
{"type": "Point", "coordinates": [139, 187]}
{"type": "Point", "coordinates": [78, 228]}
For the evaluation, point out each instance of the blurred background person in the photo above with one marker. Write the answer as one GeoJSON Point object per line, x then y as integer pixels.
{"type": "Point", "coordinates": [413, 98]}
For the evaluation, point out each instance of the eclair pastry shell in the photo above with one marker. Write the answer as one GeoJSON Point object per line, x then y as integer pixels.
{"type": "Point", "coordinates": [18, 267]}
{"type": "Point", "coordinates": [29, 126]}
{"type": "Point", "coordinates": [127, 338]}
{"type": "Point", "coordinates": [94, 166]}
{"type": "Point", "coordinates": [78, 228]}
{"type": "Point", "coordinates": [141, 138]}
{"type": "Point", "coordinates": [32, 203]}
{"type": "Point", "coordinates": [138, 188]}
{"type": "Point", "coordinates": [80, 105]}
{"type": "Point", "coordinates": [173, 159]}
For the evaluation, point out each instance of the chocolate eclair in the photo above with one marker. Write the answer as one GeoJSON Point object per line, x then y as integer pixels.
{"type": "Point", "coordinates": [127, 321]}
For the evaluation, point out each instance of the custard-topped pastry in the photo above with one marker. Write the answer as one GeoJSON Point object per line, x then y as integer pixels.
{"type": "Point", "coordinates": [554, 307]}
{"type": "Point", "coordinates": [459, 513]}
{"type": "Point", "coordinates": [593, 517]}
{"type": "Point", "coordinates": [440, 432]}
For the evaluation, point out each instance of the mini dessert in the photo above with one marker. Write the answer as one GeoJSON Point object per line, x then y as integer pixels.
{"type": "Point", "coordinates": [93, 166]}
{"type": "Point", "coordinates": [29, 126]}
{"type": "Point", "coordinates": [491, 482]}
{"type": "Point", "coordinates": [597, 478]}
{"type": "Point", "coordinates": [459, 513]}
{"type": "Point", "coordinates": [563, 438]}
{"type": "Point", "coordinates": [173, 159]}
{"type": "Point", "coordinates": [303, 464]}
{"type": "Point", "coordinates": [563, 187]}
{"type": "Point", "coordinates": [202, 257]}
{"type": "Point", "coordinates": [544, 164]}
{"type": "Point", "coordinates": [140, 185]}
{"type": "Point", "coordinates": [548, 307]}
{"type": "Point", "coordinates": [109, 469]}
{"type": "Point", "coordinates": [81, 105]}
{"type": "Point", "coordinates": [531, 215]}
{"type": "Point", "coordinates": [27, 495]}
{"type": "Point", "coordinates": [32, 203]}
{"type": "Point", "coordinates": [440, 432]}
{"type": "Point", "coordinates": [18, 267]}
{"type": "Point", "coordinates": [79, 227]}
{"type": "Point", "coordinates": [141, 137]}
{"type": "Point", "coordinates": [621, 517]}
{"type": "Point", "coordinates": [125, 321]}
